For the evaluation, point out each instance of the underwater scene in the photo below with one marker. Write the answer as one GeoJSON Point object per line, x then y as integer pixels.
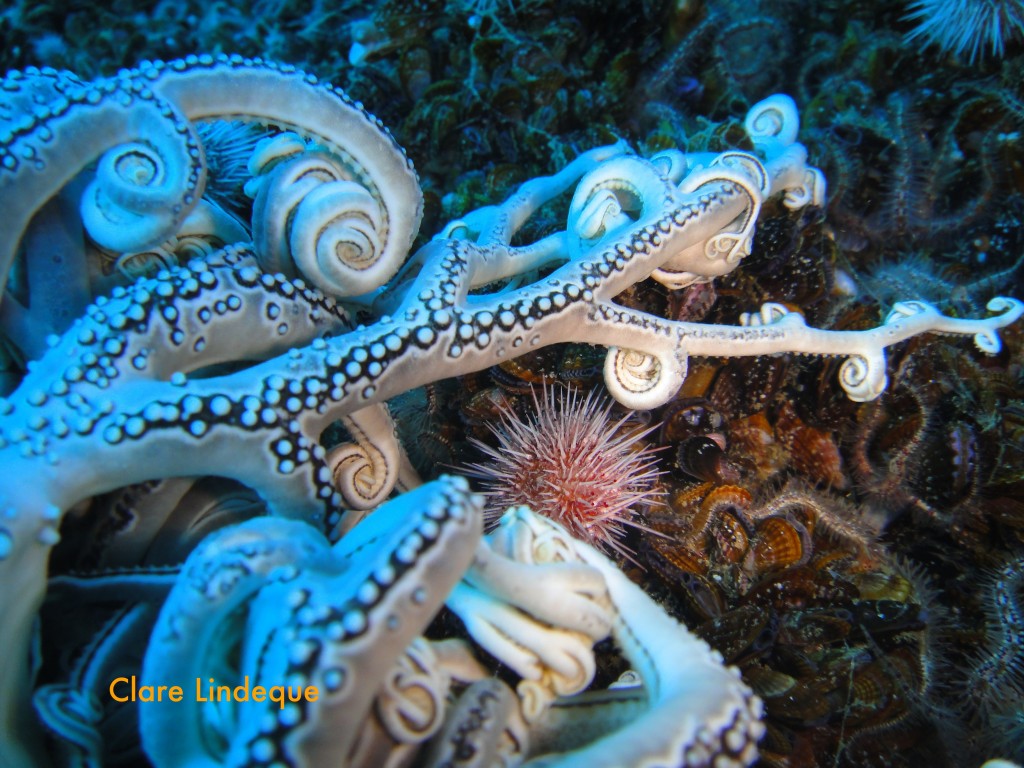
{"type": "Point", "coordinates": [477, 383]}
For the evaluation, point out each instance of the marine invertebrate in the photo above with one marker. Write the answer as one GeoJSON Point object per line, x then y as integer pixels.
{"type": "Point", "coordinates": [674, 727]}
{"type": "Point", "coordinates": [698, 431]}
{"type": "Point", "coordinates": [343, 621]}
{"type": "Point", "coordinates": [569, 461]}
{"type": "Point", "coordinates": [941, 181]}
{"type": "Point", "coordinates": [335, 618]}
{"type": "Point", "coordinates": [931, 283]}
{"type": "Point", "coordinates": [828, 629]}
{"type": "Point", "coordinates": [940, 446]}
{"type": "Point", "coordinates": [151, 173]}
{"type": "Point", "coordinates": [234, 365]}
{"type": "Point", "coordinates": [995, 685]}
{"type": "Point", "coordinates": [971, 28]}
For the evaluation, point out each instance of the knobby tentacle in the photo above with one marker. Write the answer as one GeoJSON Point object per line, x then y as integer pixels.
{"type": "Point", "coordinates": [334, 618]}
{"type": "Point", "coordinates": [222, 366]}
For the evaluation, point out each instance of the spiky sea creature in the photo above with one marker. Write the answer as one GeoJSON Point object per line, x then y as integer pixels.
{"type": "Point", "coordinates": [967, 28]}
{"type": "Point", "coordinates": [569, 461]}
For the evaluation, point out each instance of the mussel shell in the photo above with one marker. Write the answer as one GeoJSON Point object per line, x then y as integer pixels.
{"type": "Point", "coordinates": [704, 459]}
{"type": "Point", "coordinates": [691, 417]}
{"type": "Point", "coordinates": [731, 537]}
{"type": "Point", "coordinates": [743, 633]}
{"type": "Point", "coordinates": [678, 570]}
{"type": "Point", "coordinates": [877, 617]}
{"type": "Point", "coordinates": [779, 543]}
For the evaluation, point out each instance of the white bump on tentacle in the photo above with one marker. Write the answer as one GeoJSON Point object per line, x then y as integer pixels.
{"type": "Point", "coordinates": [481, 729]}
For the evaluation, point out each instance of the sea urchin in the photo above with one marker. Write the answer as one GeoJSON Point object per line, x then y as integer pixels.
{"type": "Point", "coordinates": [570, 462]}
{"type": "Point", "coordinates": [967, 28]}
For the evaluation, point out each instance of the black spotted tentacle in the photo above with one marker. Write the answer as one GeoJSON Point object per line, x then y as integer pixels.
{"type": "Point", "coordinates": [360, 254]}
{"type": "Point", "coordinates": [220, 576]}
{"type": "Point", "coordinates": [476, 734]}
{"type": "Point", "coordinates": [211, 311]}
{"type": "Point", "coordinates": [330, 618]}
{"type": "Point", "coordinates": [138, 127]}
{"type": "Point", "coordinates": [151, 170]}
{"type": "Point", "coordinates": [219, 367]}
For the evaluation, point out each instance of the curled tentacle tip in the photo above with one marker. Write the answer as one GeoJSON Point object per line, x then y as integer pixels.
{"type": "Point", "coordinates": [774, 118]}
{"type": "Point", "coordinates": [988, 342]}
{"type": "Point", "coordinates": [1005, 305]}
{"type": "Point", "coordinates": [902, 309]}
{"type": "Point", "coordinates": [748, 164]}
{"type": "Point", "coordinates": [641, 381]}
{"type": "Point", "coordinates": [863, 378]}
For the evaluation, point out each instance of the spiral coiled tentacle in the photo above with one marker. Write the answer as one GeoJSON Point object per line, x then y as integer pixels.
{"type": "Point", "coordinates": [144, 189]}
{"type": "Point", "coordinates": [642, 381]}
{"type": "Point", "coordinates": [773, 120]}
{"type": "Point", "coordinates": [614, 196]}
{"type": "Point", "coordinates": [749, 176]}
{"type": "Point", "coordinates": [311, 218]}
{"type": "Point", "coordinates": [988, 340]}
{"type": "Point", "coordinates": [336, 242]}
{"type": "Point", "coordinates": [367, 470]}
{"type": "Point", "coordinates": [412, 700]}
{"type": "Point", "coordinates": [150, 170]}
{"type": "Point", "coordinates": [863, 377]}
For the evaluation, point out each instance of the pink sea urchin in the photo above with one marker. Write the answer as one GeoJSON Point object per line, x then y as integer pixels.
{"type": "Point", "coordinates": [570, 462]}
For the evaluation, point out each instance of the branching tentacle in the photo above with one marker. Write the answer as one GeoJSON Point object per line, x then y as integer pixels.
{"type": "Point", "coordinates": [234, 365]}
